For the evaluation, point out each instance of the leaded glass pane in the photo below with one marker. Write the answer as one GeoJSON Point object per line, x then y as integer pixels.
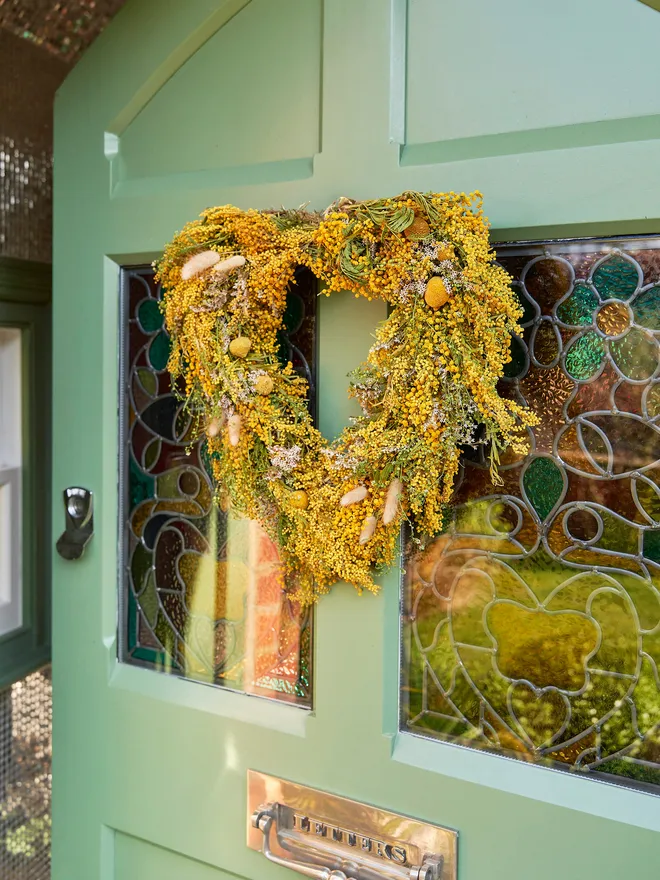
{"type": "Point", "coordinates": [201, 594]}
{"type": "Point", "coordinates": [531, 626]}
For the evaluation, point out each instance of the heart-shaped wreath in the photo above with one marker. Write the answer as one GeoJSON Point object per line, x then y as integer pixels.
{"type": "Point", "coordinates": [427, 389]}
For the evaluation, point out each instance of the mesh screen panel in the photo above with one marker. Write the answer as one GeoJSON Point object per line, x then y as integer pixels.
{"type": "Point", "coordinates": [63, 28]}
{"type": "Point", "coordinates": [25, 778]}
{"type": "Point", "coordinates": [29, 78]}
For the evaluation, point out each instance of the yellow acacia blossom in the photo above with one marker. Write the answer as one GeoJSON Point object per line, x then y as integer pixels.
{"type": "Point", "coordinates": [429, 386]}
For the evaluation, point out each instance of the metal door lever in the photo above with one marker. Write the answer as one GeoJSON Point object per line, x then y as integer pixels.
{"type": "Point", "coordinates": [79, 523]}
{"type": "Point", "coordinates": [360, 867]}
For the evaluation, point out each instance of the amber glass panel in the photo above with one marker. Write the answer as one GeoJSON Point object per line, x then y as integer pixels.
{"type": "Point", "coordinates": [201, 592]}
{"type": "Point", "coordinates": [531, 626]}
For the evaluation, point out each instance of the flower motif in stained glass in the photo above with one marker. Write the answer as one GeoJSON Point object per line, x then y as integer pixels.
{"type": "Point", "coordinates": [613, 319]}
{"type": "Point", "coordinates": [626, 319]}
{"type": "Point", "coordinates": [532, 626]}
{"type": "Point", "coordinates": [617, 276]}
{"type": "Point", "coordinates": [637, 355]}
{"type": "Point", "coordinates": [585, 356]}
{"type": "Point", "coordinates": [646, 308]}
{"type": "Point", "coordinates": [577, 308]}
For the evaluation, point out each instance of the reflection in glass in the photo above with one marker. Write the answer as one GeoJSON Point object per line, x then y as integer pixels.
{"type": "Point", "coordinates": [201, 596]}
{"type": "Point", "coordinates": [531, 627]}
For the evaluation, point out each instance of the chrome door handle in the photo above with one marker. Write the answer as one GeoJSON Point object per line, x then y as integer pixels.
{"type": "Point", "coordinates": [360, 867]}
{"type": "Point", "coordinates": [79, 523]}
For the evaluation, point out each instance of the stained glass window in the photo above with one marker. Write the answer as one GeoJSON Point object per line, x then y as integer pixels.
{"type": "Point", "coordinates": [531, 626]}
{"type": "Point", "coordinates": [201, 592]}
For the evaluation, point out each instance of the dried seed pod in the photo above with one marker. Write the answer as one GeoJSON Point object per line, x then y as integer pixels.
{"type": "Point", "coordinates": [264, 385]}
{"type": "Point", "coordinates": [214, 427]}
{"type": "Point", "coordinates": [224, 267]}
{"type": "Point", "coordinates": [368, 529]}
{"type": "Point", "coordinates": [419, 228]}
{"type": "Point", "coordinates": [392, 496]}
{"type": "Point", "coordinates": [299, 499]}
{"type": "Point", "coordinates": [355, 495]}
{"type": "Point", "coordinates": [436, 293]}
{"type": "Point", "coordinates": [199, 263]}
{"type": "Point", "coordinates": [240, 346]}
{"type": "Point", "coordinates": [234, 429]}
{"type": "Point", "coordinates": [446, 252]}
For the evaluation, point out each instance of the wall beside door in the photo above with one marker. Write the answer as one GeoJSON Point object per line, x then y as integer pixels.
{"type": "Point", "coordinates": [552, 111]}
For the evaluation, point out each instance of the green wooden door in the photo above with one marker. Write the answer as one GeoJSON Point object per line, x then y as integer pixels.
{"type": "Point", "coordinates": [552, 111]}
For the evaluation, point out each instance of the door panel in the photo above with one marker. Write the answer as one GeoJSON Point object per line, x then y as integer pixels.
{"type": "Point", "coordinates": [150, 769]}
{"type": "Point", "coordinates": [255, 114]}
{"type": "Point", "coordinates": [138, 860]}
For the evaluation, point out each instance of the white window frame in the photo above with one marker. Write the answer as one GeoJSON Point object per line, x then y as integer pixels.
{"type": "Point", "coordinates": [11, 467]}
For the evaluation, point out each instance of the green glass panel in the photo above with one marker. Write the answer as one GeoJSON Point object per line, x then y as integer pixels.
{"type": "Point", "coordinates": [585, 356]}
{"type": "Point", "coordinates": [294, 313]}
{"type": "Point", "coordinates": [149, 600]}
{"type": "Point", "coordinates": [150, 655]}
{"type": "Point", "coordinates": [150, 316]}
{"type": "Point", "coordinates": [148, 381]}
{"type": "Point", "coordinates": [131, 613]}
{"type": "Point", "coordinates": [151, 453]}
{"type": "Point", "coordinates": [518, 363]}
{"type": "Point", "coordinates": [653, 401]}
{"type": "Point", "coordinates": [644, 698]}
{"type": "Point", "coordinates": [165, 634]}
{"type": "Point", "coordinates": [618, 647]}
{"type": "Point", "coordinates": [652, 545]}
{"type": "Point", "coordinates": [616, 278]}
{"type": "Point", "coordinates": [630, 770]}
{"type": "Point", "coordinates": [635, 354]}
{"type": "Point", "coordinates": [140, 485]}
{"type": "Point", "coordinates": [646, 309]}
{"type": "Point", "coordinates": [544, 485]}
{"type": "Point", "coordinates": [141, 563]}
{"type": "Point", "coordinates": [159, 352]}
{"type": "Point", "coordinates": [578, 309]}
{"type": "Point", "coordinates": [618, 536]}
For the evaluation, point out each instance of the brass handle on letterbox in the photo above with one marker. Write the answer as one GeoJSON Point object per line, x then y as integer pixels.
{"type": "Point", "coordinates": [358, 867]}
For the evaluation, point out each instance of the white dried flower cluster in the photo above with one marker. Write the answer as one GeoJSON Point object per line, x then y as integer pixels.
{"type": "Point", "coordinates": [414, 288]}
{"type": "Point", "coordinates": [465, 433]}
{"type": "Point", "coordinates": [223, 285]}
{"type": "Point", "coordinates": [223, 335]}
{"type": "Point", "coordinates": [241, 389]}
{"type": "Point", "coordinates": [437, 418]}
{"type": "Point", "coordinates": [384, 346]}
{"type": "Point", "coordinates": [450, 275]}
{"type": "Point", "coordinates": [430, 248]}
{"type": "Point", "coordinates": [368, 392]}
{"type": "Point", "coordinates": [241, 293]}
{"type": "Point", "coordinates": [227, 407]}
{"type": "Point", "coordinates": [465, 417]}
{"type": "Point", "coordinates": [283, 459]}
{"type": "Point", "coordinates": [216, 298]}
{"type": "Point", "coordinates": [340, 461]}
